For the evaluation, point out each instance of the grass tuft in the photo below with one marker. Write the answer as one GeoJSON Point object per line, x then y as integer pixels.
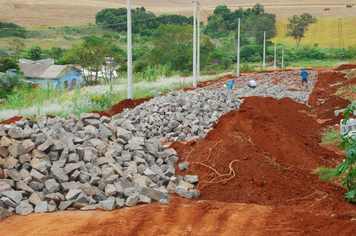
{"type": "Point", "coordinates": [324, 173]}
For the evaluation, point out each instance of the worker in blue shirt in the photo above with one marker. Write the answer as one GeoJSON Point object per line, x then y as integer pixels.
{"type": "Point", "coordinates": [231, 84]}
{"type": "Point", "coordinates": [304, 75]}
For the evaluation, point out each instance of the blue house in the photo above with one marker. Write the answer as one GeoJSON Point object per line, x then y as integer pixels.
{"type": "Point", "coordinates": [53, 76]}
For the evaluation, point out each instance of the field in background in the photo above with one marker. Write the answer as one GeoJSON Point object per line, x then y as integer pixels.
{"type": "Point", "coordinates": [40, 13]}
{"type": "Point", "coordinates": [327, 32]}
{"type": "Point", "coordinates": [335, 28]}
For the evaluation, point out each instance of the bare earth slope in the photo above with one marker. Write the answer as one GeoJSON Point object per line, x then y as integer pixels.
{"type": "Point", "coordinates": [37, 13]}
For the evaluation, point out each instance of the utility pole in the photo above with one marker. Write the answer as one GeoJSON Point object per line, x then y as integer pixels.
{"type": "Point", "coordinates": [238, 50]}
{"type": "Point", "coordinates": [129, 52]}
{"type": "Point", "coordinates": [282, 58]}
{"type": "Point", "coordinates": [275, 56]}
{"type": "Point", "coordinates": [18, 53]}
{"type": "Point", "coordinates": [264, 49]}
{"type": "Point", "coordinates": [195, 46]}
{"type": "Point", "coordinates": [198, 59]}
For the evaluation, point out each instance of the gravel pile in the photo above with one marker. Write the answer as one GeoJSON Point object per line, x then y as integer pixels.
{"type": "Point", "coordinates": [179, 115]}
{"type": "Point", "coordinates": [85, 163]}
{"type": "Point", "coordinates": [276, 85]}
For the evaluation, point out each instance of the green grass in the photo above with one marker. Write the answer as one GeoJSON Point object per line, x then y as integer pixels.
{"type": "Point", "coordinates": [39, 102]}
{"type": "Point", "coordinates": [314, 63]}
{"type": "Point", "coordinates": [330, 136]}
{"type": "Point", "coordinates": [324, 173]}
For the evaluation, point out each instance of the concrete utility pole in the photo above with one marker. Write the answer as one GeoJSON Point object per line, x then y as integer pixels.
{"type": "Point", "coordinates": [18, 53]}
{"type": "Point", "coordinates": [238, 50]}
{"type": "Point", "coordinates": [264, 49]}
{"type": "Point", "coordinates": [129, 52]}
{"type": "Point", "coordinates": [282, 58]}
{"type": "Point", "coordinates": [195, 46]}
{"type": "Point", "coordinates": [275, 56]}
{"type": "Point", "coordinates": [198, 59]}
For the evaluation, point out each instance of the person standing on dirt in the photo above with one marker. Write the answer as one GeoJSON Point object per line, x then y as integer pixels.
{"type": "Point", "coordinates": [252, 84]}
{"type": "Point", "coordinates": [304, 75]}
{"type": "Point", "coordinates": [231, 84]}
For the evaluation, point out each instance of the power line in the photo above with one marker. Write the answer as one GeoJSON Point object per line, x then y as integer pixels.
{"type": "Point", "coordinates": [203, 9]}
{"type": "Point", "coordinates": [177, 2]}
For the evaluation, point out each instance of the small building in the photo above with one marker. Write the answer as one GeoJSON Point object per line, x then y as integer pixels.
{"type": "Point", "coordinates": [12, 71]}
{"type": "Point", "coordinates": [53, 76]}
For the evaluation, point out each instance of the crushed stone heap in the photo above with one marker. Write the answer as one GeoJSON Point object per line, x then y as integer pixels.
{"type": "Point", "coordinates": [180, 115]}
{"type": "Point", "coordinates": [84, 163]}
{"type": "Point", "coordinates": [275, 85]}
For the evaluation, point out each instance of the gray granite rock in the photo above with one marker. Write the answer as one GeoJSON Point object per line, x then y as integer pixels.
{"type": "Point", "coordinates": [24, 208]}
{"type": "Point", "coordinates": [41, 207]}
{"type": "Point", "coordinates": [4, 213]}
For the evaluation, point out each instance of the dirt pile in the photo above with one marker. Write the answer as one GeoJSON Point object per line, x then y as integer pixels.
{"type": "Point", "coordinates": [11, 120]}
{"type": "Point", "coordinates": [324, 100]}
{"type": "Point", "coordinates": [346, 67]}
{"type": "Point", "coordinates": [126, 103]}
{"type": "Point", "coordinates": [264, 153]}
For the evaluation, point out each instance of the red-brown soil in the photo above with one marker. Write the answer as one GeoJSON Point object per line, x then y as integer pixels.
{"type": "Point", "coordinates": [126, 103]}
{"type": "Point", "coordinates": [11, 120]}
{"type": "Point", "coordinates": [255, 178]}
{"type": "Point", "coordinates": [268, 142]}
{"type": "Point", "coordinates": [264, 154]}
{"type": "Point", "coordinates": [324, 98]}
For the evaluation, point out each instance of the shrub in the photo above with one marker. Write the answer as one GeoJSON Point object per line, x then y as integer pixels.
{"type": "Point", "coordinates": [9, 81]}
{"type": "Point", "coordinates": [348, 167]}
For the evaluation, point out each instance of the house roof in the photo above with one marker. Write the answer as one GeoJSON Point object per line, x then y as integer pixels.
{"type": "Point", "coordinates": [42, 71]}
{"type": "Point", "coordinates": [44, 61]}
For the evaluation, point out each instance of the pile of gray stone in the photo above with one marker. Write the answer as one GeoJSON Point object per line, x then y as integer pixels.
{"type": "Point", "coordinates": [276, 85]}
{"type": "Point", "coordinates": [87, 162]}
{"type": "Point", "coordinates": [180, 115]}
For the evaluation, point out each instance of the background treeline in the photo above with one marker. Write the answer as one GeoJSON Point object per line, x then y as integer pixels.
{"type": "Point", "coordinates": [254, 21]}
{"type": "Point", "coordinates": [144, 22]}
{"type": "Point", "coordinates": [9, 29]}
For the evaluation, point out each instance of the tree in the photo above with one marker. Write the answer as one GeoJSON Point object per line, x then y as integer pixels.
{"type": "Point", "coordinates": [7, 83]}
{"type": "Point", "coordinates": [264, 24]}
{"type": "Point", "coordinates": [96, 55]}
{"type": "Point", "coordinates": [298, 25]}
{"type": "Point", "coordinates": [173, 45]}
{"type": "Point", "coordinates": [222, 10]}
{"type": "Point", "coordinates": [258, 8]}
{"type": "Point", "coordinates": [35, 53]}
{"type": "Point", "coordinates": [7, 63]}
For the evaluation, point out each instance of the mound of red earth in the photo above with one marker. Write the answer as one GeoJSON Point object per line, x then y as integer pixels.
{"type": "Point", "coordinates": [324, 100]}
{"type": "Point", "coordinates": [121, 106]}
{"type": "Point", "coordinates": [265, 154]}
{"type": "Point", "coordinates": [346, 67]}
{"type": "Point", "coordinates": [126, 103]}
